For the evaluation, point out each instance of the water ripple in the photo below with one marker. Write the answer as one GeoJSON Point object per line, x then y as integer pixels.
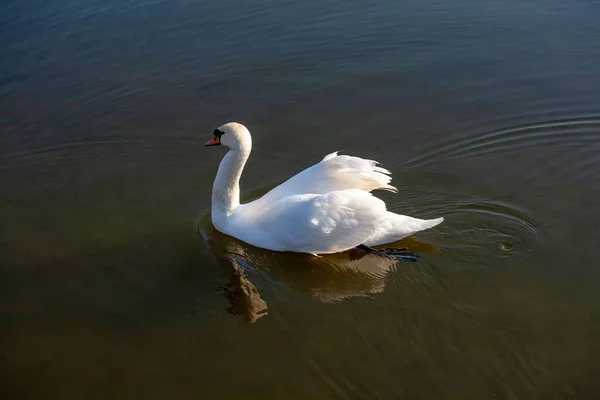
{"type": "Point", "coordinates": [501, 228]}
{"type": "Point", "coordinates": [118, 147]}
{"type": "Point", "coordinates": [567, 131]}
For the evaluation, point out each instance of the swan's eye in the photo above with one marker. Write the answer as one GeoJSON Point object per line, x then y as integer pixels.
{"type": "Point", "coordinates": [218, 133]}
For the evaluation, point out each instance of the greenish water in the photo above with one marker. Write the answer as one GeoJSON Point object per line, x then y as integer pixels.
{"type": "Point", "coordinates": [113, 283]}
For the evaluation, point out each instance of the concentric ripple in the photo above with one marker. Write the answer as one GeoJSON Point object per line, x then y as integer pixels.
{"type": "Point", "coordinates": [494, 228]}
{"type": "Point", "coordinates": [559, 132]}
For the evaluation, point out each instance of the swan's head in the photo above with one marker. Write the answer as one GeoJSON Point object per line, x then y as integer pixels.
{"type": "Point", "coordinates": [232, 135]}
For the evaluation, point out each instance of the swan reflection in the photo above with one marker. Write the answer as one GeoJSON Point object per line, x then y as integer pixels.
{"type": "Point", "coordinates": [327, 278]}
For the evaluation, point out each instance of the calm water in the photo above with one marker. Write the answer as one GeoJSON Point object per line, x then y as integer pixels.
{"type": "Point", "coordinates": [114, 285]}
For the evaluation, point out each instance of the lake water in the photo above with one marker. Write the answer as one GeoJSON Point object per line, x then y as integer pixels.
{"type": "Point", "coordinates": [114, 285]}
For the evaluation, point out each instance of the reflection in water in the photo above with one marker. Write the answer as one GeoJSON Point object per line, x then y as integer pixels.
{"type": "Point", "coordinates": [243, 295]}
{"type": "Point", "coordinates": [328, 278]}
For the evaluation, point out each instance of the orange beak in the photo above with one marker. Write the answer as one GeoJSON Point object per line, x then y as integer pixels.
{"type": "Point", "coordinates": [213, 142]}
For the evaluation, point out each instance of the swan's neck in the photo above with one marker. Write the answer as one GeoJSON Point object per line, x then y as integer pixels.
{"type": "Point", "coordinates": [226, 188]}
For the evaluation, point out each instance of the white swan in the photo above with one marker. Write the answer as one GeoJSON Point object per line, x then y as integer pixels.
{"type": "Point", "coordinates": [327, 208]}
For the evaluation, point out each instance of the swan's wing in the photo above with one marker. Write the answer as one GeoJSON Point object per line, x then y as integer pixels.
{"type": "Point", "coordinates": [334, 173]}
{"type": "Point", "coordinates": [320, 224]}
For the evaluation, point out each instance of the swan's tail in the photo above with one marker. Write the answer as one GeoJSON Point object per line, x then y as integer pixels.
{"type": "Point", "coordinates": [402, 226]}
{"type": "Point", "coordinates": [430, 223]}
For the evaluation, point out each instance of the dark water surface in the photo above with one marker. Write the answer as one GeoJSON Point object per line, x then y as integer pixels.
{"type": "Point", "coordinates": [112, 279]}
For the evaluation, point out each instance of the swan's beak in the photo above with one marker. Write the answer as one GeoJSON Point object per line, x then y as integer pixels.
{"type": "Point", "coordinates": [213, 142]}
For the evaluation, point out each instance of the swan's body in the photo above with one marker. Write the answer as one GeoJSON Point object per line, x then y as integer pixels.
{"type": "Point", "coordinates": [327, 208]}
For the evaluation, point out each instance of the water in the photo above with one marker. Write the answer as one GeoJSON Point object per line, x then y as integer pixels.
{"type": "Point", "coordinates": [113, 283]}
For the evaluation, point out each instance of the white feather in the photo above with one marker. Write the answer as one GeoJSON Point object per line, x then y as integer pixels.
{"type": "Point", "coordinates": [333, 173]}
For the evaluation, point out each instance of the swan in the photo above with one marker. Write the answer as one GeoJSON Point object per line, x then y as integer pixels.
{"type": "Point", "coordinates": [327, 208]}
